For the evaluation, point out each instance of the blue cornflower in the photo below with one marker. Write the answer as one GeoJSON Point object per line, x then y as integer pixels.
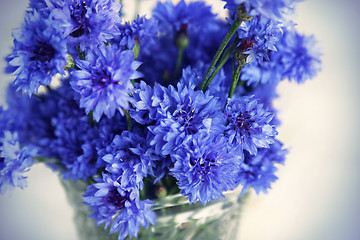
{"type": "Point", "coordinates": [14, 161]}
{"type": "Point", "coordinates": [274, 9]}
{"type": "Point", "coordinates": [299, 56]}
{"type": "Point", "coordinates": [108, 129]}
{"type": "Point", "coordinates": [249, 124]}
{"type": "Point", "coordinates": [259, 171]}
{"type": "Point", "coordinates": [113, 204]}
{"type": "Point", "coordinates": [130, 156]}
{"type": "Point", "coordinates": [176, 114]}
{"type": "Point", "coordinates": [103, 80]}
{"type": "Point", "coordinates": [39, 52]}
{"type": "Point", "coordinates": [259, 37]}
{"type": "Point", "coordinates": [40, 109]}
{"type": "Point", "coordinates": [204, 168]}
{"type": "Point", "coordinates": [185, 21]}
{"type": "Point", "coordinates": [192, 17]}
{"type": "Point", "coordinates": [146, 102]}
{"type": "Point", "coordinates": [141, 29]}
{"type": "Point", "coordinates": [75, 146]}
{"type": "Point", "coordinates": [88, 23]}
{"type": "Point", "coordinates": [75, 137]}
{"type": "Point", "coordinates": [58, 128]}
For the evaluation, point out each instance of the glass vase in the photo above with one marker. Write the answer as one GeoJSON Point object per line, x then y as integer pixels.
{"type": "Point", "coordinates": [177, 218]}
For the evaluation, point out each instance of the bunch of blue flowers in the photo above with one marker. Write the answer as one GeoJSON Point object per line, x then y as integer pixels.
{"type": "Point", "coordinates": [181, 101]}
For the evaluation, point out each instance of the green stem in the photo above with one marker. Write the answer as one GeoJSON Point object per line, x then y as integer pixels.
{"type": "Point", "coordinates": [178, 62]}
{"type": "Point", "coordinates": [128, 120]}
{"type": "Point", "coordinates": [235, 79]}
{"type": "Point", "coordinates": [221, 48]}
{"type": "Point", "coordinates": [224, 58]}
{"type": "Point", "coordinates": [40, 159]}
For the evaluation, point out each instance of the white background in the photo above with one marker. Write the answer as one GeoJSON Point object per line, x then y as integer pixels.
{"type": "Point", "coordinates": [317, 194]}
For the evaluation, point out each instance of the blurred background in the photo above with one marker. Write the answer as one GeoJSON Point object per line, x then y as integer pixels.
{"type": "Point", "coordinates": [316, 196]}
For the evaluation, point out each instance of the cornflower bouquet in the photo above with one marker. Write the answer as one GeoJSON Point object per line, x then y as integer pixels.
{"type": "Point", "coordinates": [179, 103]}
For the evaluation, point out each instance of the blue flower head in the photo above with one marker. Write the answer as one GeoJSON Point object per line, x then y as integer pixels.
{"type": "Point", "coordinates": [121, 207]}
{"type": "Point", "coordinates": [249, 124]}
{"type": "Point", "coordinates": [38, 131]}
{"type": "Point", "coordinates": [259, 36]}
{"type": "Point", "coordinates": [108, 129]}
{"type": "Point", "coordinates": [205, 168]}
{"type": "Point", "coordinates": [129, 156]}
{"type": "Point", "coordinates": [185, 20]}
{"type": "Point", "coordinates": [259, 171]}
{"type": "Point", "coordinates": [103, 80]}
{"type": "Point", "coordinates": [141, 30]}
{"type": "Point", "coordinates": [74, 136]}
{"type": "Point", "coordinates": [14, 161]}
{"type": "Point", "coordinates": [176, 114]}
{"type": "Point", "coordinates": [88, 22]}
{"type": "Point", "coordinates": [174, 18]}
{"type": "Point", "coordinates": [39, 52]}
{"type": "Point", "coordinates": [299, 56]}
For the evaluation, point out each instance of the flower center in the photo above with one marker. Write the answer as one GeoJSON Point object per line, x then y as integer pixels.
{"type": "Point", "coordinates": [244, 121]}
{"type": "Point", "coordinates": [43, 52]}
{"type": "Point", "coordinates": [78, 15]}
{"type": "Point", "coordinates": [202, 167]}
{"type": "Point", "coordinates": [246, 44]}
{"type": "Point", "coordinates": [101, 80]}
{"type": "Point", "coordinates": [185, 118]}
{"type": "Point", "coordinates": [115, 199]}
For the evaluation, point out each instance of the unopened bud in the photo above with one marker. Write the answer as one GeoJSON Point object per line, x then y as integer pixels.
{"type": "Point", "coordinates": [182, 40]}
{"type": "Point", "coordinates": [69, 62]}
{"type": "Point", "coordinates": [136, 49]}
{"type": "Point", "coordinates": [242, 13]}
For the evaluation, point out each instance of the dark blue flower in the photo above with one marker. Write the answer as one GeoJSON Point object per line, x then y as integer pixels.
{"type": "Point", "coordinates": [299, 56]}
{"type": "Point", "coordinates": [39, 52]}
{"type": "Point", "coordinates": [174, 18]}
{"type": "Point", "coordinates": [129, 156]}
{"type": "Point", "coordinates": [108, 129]}
{"type": "Point", "coordinates": [141, 30]}
{"type": "Point", "coordinates": [205, 168]}
{"type": "Point", "coordinates": [88, 23]}
{"type": "Point", "coordinates": [185, 21]}
{"type": "Point", "coordinates": [146, 103]}
{"type": "Point", "coordinates": [74, 136]}
{"type": "Point", "coordinates": [40, 109]}
{"type": "Point", "coordinates": [176, 114]}
{"type": "Point", "coordinates": [259, 171]}
{"type": "Point", "coordinates": [258, 37]}
{"type": "Point", "coordinates": [103, 80]}
{"type": "Point", "coordinates": [249, 124]}
{"type": "Point", "coordinates": [14, 161]}
{"type": "Point", "coordinates": [75, 145]}
{"type": "Point", "coordinates": [59, 129]}
{"type": "Point", "coordinates": [113, 204]}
